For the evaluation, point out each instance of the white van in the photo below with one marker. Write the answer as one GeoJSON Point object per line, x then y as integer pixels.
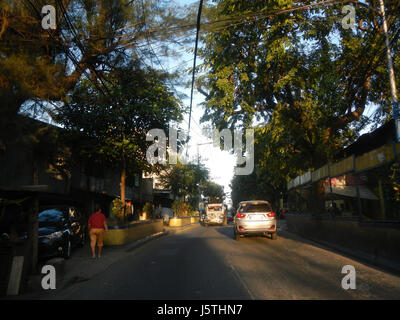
{"type": "Point", "coordinates": [216, 214]}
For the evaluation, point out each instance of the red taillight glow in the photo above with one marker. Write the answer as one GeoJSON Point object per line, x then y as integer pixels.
{"type": "Point", "coordinates": [240, 215]}
{"type": "Point", "coordinates": [271, 214]}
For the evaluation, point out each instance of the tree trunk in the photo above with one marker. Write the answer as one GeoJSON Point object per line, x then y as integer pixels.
{"type": "Point", "coordinates": [33, 223]}
{"type": "Point", "coordinates": [123, 183]}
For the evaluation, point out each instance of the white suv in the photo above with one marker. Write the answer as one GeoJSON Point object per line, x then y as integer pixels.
{"type": "Point", "coordinates": [255, 218]}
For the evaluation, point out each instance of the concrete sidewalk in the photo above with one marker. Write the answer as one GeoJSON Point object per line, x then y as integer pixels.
{"type": "Point", "coordinates": [81, 267]}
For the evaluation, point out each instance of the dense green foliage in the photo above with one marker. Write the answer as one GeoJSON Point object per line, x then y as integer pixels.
{"type": "Point", "coordinates": [40, 68]}
{"type": "Point", "coordinates": [185, 181]}
{"type": "Point", "coordinates": [90, 75]}
{"type": "Point", "coordinates": [181, 208]}
{"type": "Point", "coordinates": [304, 80]}
{"type": "Point", "coordinates": [213, 191]}
{"type": "Point", "coordinates": [116, 124]}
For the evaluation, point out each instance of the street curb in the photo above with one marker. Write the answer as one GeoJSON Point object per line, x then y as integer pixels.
{"type": "Point", "coordinates": [143, 241]}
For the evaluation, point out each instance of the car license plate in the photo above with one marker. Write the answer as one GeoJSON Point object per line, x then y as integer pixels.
{"type": "Point", "coordinates": [257, 217]}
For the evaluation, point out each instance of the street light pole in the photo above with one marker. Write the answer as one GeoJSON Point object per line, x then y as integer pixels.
{"type": "Point", "coordinates": [395, 104]}
{"type": "Point", "coordinates": [198, 151]}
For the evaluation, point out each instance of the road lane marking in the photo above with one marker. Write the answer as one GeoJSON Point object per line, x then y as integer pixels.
{"type": "Point", "coordinates": [236, 274]}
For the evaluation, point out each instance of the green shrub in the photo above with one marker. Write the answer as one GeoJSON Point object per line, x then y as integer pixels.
{"type": "Point", "coordinates": [180, 208]}
{"type": "Point", "coordinates": [117, 211]}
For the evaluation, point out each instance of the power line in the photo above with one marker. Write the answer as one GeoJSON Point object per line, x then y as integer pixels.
{"type": "Point", "coordinates": [236, 20]}
{"type": "Point", "coordinates": [194, 62]}
{"type": "Point", "coordinates": [162, 67]}
{"type": "Point", "coordinates": [245, 18]}
{"type": "Point", "coordinates": [69, 54]}
{"type": "Point", "coordinates": [80, 44]}
{"type": "Point", "coordinates": [172, 85]}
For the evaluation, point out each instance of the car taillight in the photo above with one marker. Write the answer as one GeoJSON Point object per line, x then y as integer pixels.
{"type": "Point", "coordinates": [240, 215]}
{"type": "Point", "coordinates": [271, 214]}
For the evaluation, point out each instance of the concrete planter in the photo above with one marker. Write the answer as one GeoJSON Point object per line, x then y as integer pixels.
{"type": "Point", "coordinates": [119, 235]}
{"type": "Point", "coordinates": [183, 221]}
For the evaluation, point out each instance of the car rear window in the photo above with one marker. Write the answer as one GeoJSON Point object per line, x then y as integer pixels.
{"type": "Point", "coordinates": [252, 207]}
{"type": "Point", "coordinates": [215, 208]}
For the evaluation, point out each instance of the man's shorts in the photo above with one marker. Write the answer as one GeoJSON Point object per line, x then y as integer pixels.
{"type": "Point", "coordinates": [96, 235]}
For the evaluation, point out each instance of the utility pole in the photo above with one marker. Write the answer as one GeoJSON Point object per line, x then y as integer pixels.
{"type": "Point", "coordinates": [395, 104]}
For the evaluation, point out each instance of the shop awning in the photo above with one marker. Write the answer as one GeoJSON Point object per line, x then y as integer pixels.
{"type": "Point", "coordinates": [351, 191]}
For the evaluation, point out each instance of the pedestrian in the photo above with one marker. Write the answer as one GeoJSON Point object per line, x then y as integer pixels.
{"type": "Point", "coordinates": [97, 223]}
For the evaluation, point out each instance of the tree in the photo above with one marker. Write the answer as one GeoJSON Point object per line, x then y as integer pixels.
{"type": "Point", "coordinates": [185, 181]}
{"type": "Point", "coordinates": [307, 79]}
{"type": "Point", "coordinates": [39, 68]}
{"type": "Point", "coordinates": [116, 125]}
{"type": "Point", "coordinates": [259, 185]}
{"type": "Point", "coordinates": [213, 191]}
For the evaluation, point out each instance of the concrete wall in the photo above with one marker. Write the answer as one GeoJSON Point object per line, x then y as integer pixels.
{"type": "Point", "coordinates": [119, 235]}
{"type": "Point", "coordinates": [183, 221]}
{"type": "Point", "coordinates": [379, 245]}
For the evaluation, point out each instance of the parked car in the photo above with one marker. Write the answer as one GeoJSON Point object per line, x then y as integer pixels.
{"type": "Point", "coordinates": [61, 228]}
{"type": "Point", "coordinates": [255, 218]}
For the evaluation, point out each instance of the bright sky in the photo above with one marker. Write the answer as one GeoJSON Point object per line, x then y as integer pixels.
{"type": "Point", "coordinates": [220, 163]}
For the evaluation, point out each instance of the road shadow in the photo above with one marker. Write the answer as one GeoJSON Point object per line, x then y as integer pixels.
{"type": "Point", "coordinates": [227, 231]}
{"type": "Point", "coordinates": [337, 250]}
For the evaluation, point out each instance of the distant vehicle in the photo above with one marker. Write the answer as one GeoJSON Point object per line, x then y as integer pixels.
{"type": "Point", "coordinates": [61, 228]}
{"type": "Point", "coordinates": [216, 214]}
{"type": "Point", "coordinates": [230, 217]}
{"type": "Point", "coordinates": [255, 218]}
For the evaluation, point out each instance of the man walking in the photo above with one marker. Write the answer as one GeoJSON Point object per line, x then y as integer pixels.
{"type": "Point", "coordinates": [97, 224]}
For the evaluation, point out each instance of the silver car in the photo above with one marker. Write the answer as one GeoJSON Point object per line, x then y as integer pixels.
{"type": "Point", "coordinates": [255, 218]}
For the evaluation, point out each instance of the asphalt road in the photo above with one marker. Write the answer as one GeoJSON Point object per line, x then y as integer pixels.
{"type": "Point", "coordinates": [207, 263]}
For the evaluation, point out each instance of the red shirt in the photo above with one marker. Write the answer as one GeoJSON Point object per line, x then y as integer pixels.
{"type": "Point", "coordinates": [97, 220]}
